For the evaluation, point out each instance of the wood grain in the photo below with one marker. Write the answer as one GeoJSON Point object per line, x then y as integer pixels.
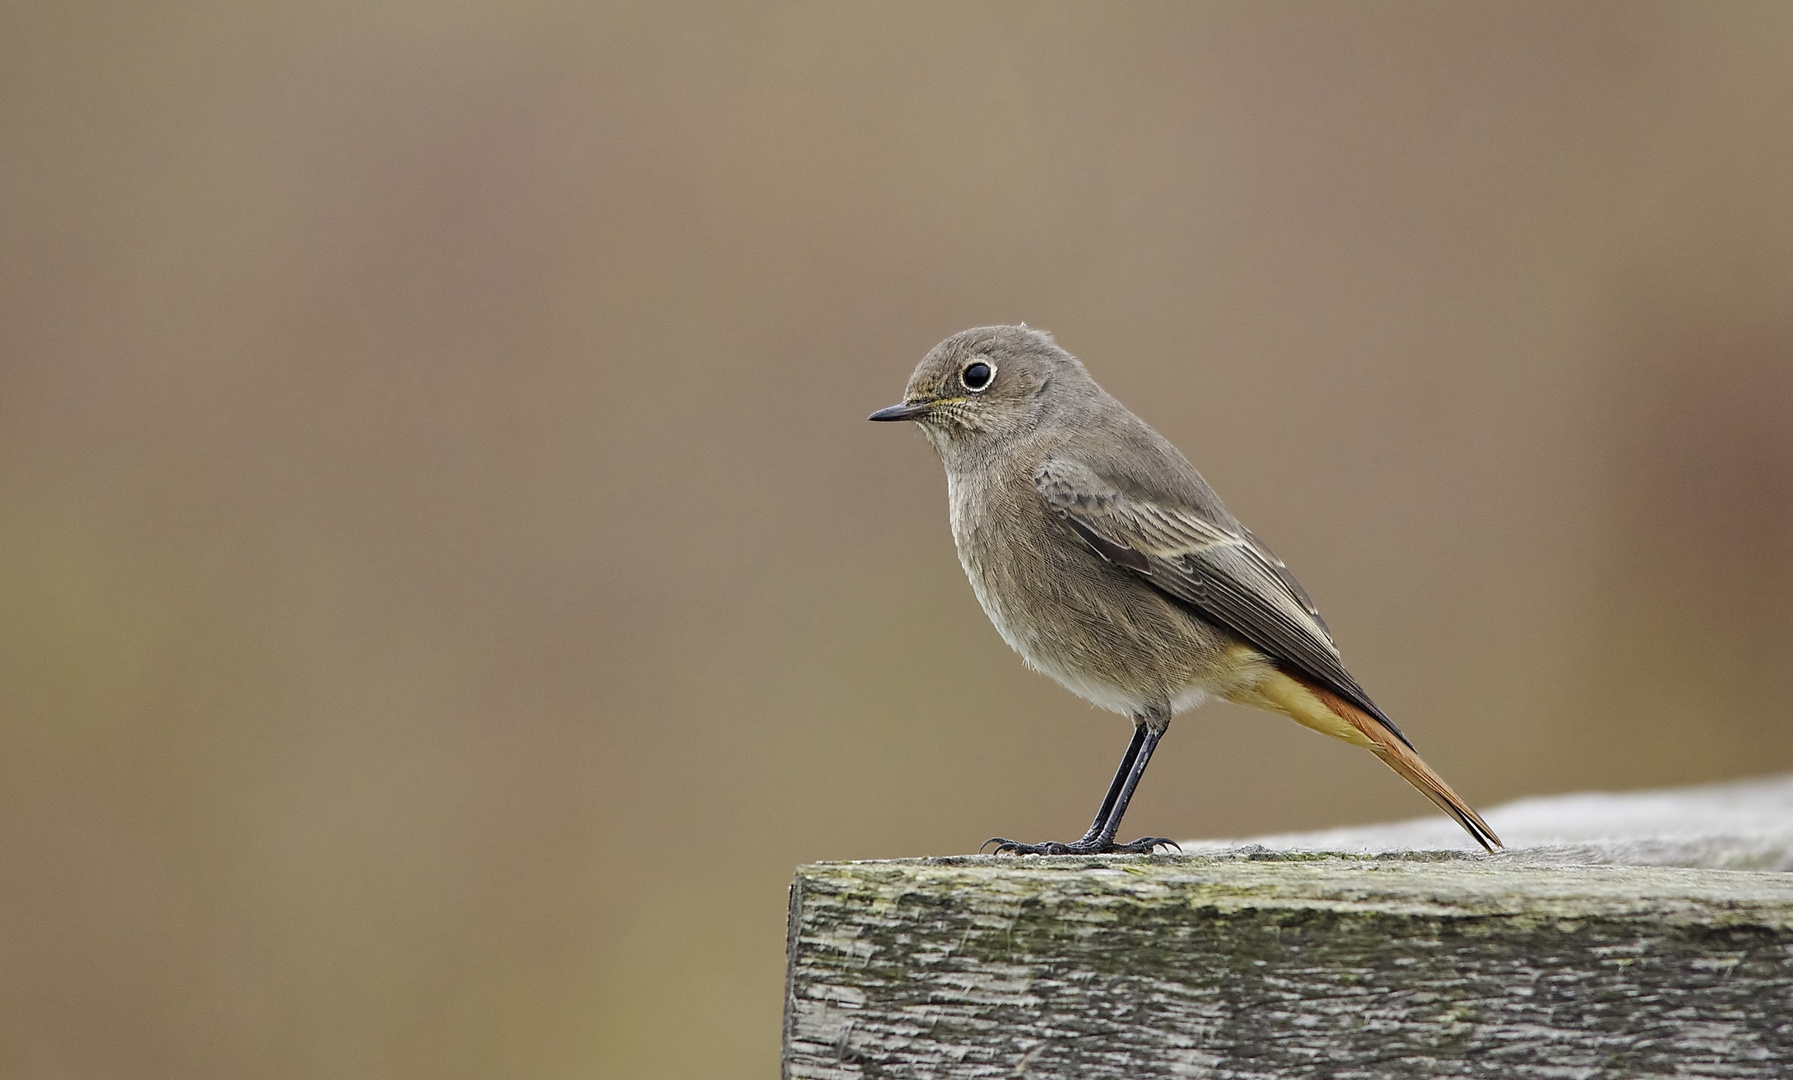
{"type": "Point", "coordinates": [1252, 964]}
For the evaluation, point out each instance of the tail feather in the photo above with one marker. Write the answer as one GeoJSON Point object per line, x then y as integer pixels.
{"type": "Point", "coordinates": [1400, 757]}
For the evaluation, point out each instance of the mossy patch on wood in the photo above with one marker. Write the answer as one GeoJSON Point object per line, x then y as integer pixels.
{"type": "Point", "coordinates": [1248, 965]}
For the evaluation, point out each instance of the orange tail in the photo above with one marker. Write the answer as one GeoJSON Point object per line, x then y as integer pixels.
{"type": "Point", "coordinates": [1400, 757]}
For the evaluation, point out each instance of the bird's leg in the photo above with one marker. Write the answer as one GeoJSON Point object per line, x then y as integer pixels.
{"type": "Point", "coordinates": [1114, 788]}
{"type": "Point", "coordinates": [1148, 728]}
{"type": "Point", "coordinates": [1154, 724]}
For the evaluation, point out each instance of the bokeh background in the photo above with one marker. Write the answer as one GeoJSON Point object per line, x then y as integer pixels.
{"type": "Point", "coordinates": [447, 582]}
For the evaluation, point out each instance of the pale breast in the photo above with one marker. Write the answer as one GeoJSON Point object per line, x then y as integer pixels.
{"type": "Point", "coordinates": [1106, 637]}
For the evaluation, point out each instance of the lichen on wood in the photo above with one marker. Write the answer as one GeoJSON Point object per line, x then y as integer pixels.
{"type": "Point", "coordinates": [1256, 965]}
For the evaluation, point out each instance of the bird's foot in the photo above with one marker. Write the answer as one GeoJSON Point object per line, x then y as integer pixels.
{"type": "Point", "coordinates": [1145, 845]}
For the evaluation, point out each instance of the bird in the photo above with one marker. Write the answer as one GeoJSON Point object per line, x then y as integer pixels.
{"type": "Point", "coordinates": [1103, 558]}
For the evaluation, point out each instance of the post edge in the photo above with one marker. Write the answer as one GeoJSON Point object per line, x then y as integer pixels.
{"type": "Point", "coordinates": [793, 923]}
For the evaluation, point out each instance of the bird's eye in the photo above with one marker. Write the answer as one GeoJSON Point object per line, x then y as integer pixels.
{"type": "Point", "coordinates": [977, 375]}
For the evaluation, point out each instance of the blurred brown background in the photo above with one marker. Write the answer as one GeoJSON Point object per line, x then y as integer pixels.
{"type": "Point", "coordinates": [448, 582]}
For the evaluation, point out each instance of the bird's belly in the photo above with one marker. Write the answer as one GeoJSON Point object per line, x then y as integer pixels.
{"type": "Point", "coordinates": [1105, 636]}
{"type": "Point", "coordinates": [1057, 653]}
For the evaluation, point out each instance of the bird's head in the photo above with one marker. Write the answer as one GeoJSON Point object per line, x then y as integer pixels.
{"type": "Point", "coordinates": [988, 384]}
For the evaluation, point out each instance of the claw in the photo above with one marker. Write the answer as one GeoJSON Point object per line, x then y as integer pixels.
{"type": "Point", "coordinates": [1148, 845]}
{"type": "Point", "coordinates": [1145, 845]}
{"type": "Point", "coordinates": [1005, 846]}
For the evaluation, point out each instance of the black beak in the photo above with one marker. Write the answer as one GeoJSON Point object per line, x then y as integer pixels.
{"type": "Point", "coordinates": [900, 412]}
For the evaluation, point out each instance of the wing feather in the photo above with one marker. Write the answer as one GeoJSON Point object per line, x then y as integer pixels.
{"type": "Point", "coordinates": [1217, 568]}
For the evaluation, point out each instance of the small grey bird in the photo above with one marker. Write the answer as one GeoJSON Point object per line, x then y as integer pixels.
{"type": "Point", "coordinates": [1108, 563]}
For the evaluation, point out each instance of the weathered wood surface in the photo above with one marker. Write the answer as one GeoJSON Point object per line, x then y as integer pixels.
{"type": "Point", "coordinates": [1740, 825]}
{"type": "Point", "coordinates": [1152, 966]}
{"type": "Point", "coordinates": [1255, 963]}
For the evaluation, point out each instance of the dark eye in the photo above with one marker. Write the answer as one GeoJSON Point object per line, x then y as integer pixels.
{"type": "Point", "coordinates": [977, 376]}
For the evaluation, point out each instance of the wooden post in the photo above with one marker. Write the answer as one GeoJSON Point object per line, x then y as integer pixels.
{"type": "Point", "coordinates": [1256, 964]}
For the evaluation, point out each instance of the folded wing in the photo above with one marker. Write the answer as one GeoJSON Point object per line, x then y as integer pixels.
{"type": "Point", "coordinates": [1217, 568]}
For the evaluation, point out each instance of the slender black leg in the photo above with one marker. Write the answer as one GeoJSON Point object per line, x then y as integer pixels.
{"type": "Point", "coordinates": [1115, 787]}
{"type": "Point", "coordinates": [1147, 730]}
{"type": "Point", "coordinates": [1105, 841]}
